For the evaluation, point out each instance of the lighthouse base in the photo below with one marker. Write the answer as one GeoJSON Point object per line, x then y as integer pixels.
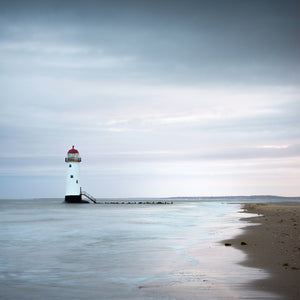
{"type": "Point", "coordinates": [74, 199]}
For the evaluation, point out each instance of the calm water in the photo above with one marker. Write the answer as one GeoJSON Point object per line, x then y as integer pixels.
{"type": "Point", "coordinates": [53, 250]}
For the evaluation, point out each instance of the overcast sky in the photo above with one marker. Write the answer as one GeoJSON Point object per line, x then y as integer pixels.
{"type": "Point", "coordinates": [161, 98]}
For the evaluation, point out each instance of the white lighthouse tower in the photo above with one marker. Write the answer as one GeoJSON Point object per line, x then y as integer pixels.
{"type": "Point", "coordinates": [73, 190]}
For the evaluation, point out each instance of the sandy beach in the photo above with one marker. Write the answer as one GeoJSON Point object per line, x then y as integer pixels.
{"type": "Point", "coordinates": [272, 243]}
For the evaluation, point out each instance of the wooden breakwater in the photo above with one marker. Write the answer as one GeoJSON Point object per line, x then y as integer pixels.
{"type": "Point", "coordinates": [136, 202]}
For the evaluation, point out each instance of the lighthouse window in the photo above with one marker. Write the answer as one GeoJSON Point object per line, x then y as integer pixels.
{"type": "Point", "coordinates": [70, 166]}
{"type": "Point", "coordinates": [71, 176]}
{"type": "Point", "coordinates": [76, 181]}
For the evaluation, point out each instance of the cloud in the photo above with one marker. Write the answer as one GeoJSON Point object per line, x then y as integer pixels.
{"type": "Point", "coordinates": [53, 57]}
{"type": "Point", "coordinates": [273, 146]}
{"type": "Point", "coordinates": [195, 42]}
{"type": "Point", "coordinates": [150, 89]}
{"type": "Point", "coordinates": [37, 47]}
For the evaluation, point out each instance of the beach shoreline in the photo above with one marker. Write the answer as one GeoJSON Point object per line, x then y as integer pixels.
{"type": "Point", "coordinates": [272, 243]}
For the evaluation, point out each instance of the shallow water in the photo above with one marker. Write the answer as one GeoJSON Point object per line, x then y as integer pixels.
{"type": "Point", "coordinates": [53, 250]}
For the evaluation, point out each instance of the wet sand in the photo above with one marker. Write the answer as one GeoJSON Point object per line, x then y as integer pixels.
{"type": "Point", "coordinates": [272, 243]}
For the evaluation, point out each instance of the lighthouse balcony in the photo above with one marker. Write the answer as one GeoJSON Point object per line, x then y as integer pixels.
{"type": "Point", "coordinates": [75, 159]}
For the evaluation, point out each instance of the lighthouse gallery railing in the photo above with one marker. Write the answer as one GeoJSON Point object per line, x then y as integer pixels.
{"type": "Point", "coordinates": [75, 159]}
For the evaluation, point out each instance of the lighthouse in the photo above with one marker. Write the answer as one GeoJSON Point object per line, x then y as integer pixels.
{"type": "Point", "coordinates": [73, 190]}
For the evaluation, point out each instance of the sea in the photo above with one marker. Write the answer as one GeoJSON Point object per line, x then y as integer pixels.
{"type": "Point", "coordinates": [54, 250]}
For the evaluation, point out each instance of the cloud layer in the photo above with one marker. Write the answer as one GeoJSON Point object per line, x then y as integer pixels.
{"type": "Point", "coordinates": [161, 99]}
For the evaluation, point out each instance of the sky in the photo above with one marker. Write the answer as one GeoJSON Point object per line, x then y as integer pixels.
{"type": "Point", "coordinates": [161, 98]}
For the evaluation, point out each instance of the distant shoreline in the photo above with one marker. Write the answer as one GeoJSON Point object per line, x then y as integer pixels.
{"type": "Point", "coordinates": [273, 245]}
{"type": "Point", "coordinates": [251, 197]}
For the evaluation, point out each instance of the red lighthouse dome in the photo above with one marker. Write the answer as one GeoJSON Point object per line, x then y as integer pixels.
{"type": "Point", "coordinates": [73, 150]}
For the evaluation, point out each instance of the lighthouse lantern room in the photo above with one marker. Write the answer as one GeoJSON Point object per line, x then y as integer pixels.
{"type": "Point", "coordinates": [73, 190]}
